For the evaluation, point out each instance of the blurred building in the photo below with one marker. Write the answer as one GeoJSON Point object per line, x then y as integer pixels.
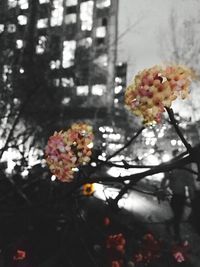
{"type": "Point", "coordinates": [79, 40]}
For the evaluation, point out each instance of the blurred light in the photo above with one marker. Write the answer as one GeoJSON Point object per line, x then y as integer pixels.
{"type": "Point", "coordinates": [22, 20]}
{"type": "Point", "coordinates": [101, 32]}
{"type": "Point", "coordinates": [66, 100]}
{"type": "Point", "coordinates": [102, 129]}
{"type": "Point", "coordinates": [116, 100]}
{"type": "Point", "coordinates": [67, 82]}
{"type": "Point", "coordinates": [103, 3]}
{"type": "Point", "coordinates": [53, 178]}
{"type": "Point", "coordinates": [179, 142]}
{"type": "Point", "coordinates": [42, 23]}
{"type": "Point", "coordinates": [118, 89]}
{"type": "Point", "coordinates": [86, 15]}
{"type": "Point", "coordinates": [21, 70]}
{"type": "Point", "coordinates": [23, 4]}
{"type": "Point", "coordinates": [57, 13]}
{"type": "Point", "coordinates": [161, 134]}
{"type": "Point", "coordinates": [71, 2]}
{"type": "Point", "coordinates": [12, 3]}
{"type": "Point", "coordinates": [98, 89]}
{"type": "Point", "coordinates": [55, 64]}
{"type": "Point", "coordinates": [2, 28]}
{"type": "Point", "coordinates": [166, 157]}
{"type": "Point", "coordinates": [68, 53]}
{"type": "Point", "coordinates": [93, 164]}
{"type": "Point", "coordinates": [173, 142]}
{"type": "Point", "coordinates": [19, 44]}
{"type": "Point", "coordinates": [87, 42]}
{"type": "Point", "coordinates": [118, 79]}
{"type": "Point", "coordinates": [82, 90]}
{"type": "Point", "coordinates": [75, 169]}
{"type": "Point", "coordinates": [70, 19]}
{"type": "Point", "coordinates": [11, 28]}
{"type": "Point", "coordinates": [44, 1]}
{"type": "Point", "coordinates": [25, 173]}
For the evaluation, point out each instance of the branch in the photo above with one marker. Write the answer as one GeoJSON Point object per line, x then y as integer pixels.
{"type": "Point", "coordinates": [177, 129]}
{"type": "Point", "coordinates": [126, 145]}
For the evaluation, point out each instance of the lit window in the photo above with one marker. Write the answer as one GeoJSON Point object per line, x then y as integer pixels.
{"type": "Point", "coordinates": [57, 13]}
{"type": "Point", "coordinates": [12, 3]}
{"type": "Point", "coordinates": [66, 100]}
{"type": "Point", "coordinates": [102, 60]}
{"type": "Point", "coordinates": [70, 18]}
{"type": "Point", "coordinates": [82, 90]}
{"type": "Point", "coordinates": [68, 53]}
{"type": "Point", "coordinates": [55, 64]}
{"type": "Point", "coordinates": [71, 2]}
{"type": "Point", "coordinates": [11, 28]}
{"type": "Point", "coordinates": [56, 82]}
{"type": "Point", "coordinates": [40, 48]}
{"type": "Point", "coordinates": [67, 82]}
{"type": "Point", "coordinates": [44, 1]}
{"type": "Point", "coordinates": [101, 32]}
{"type": "Point", "coordinates": [87, 42]}
{"type": "Point", "coordinates": [22, 20]}
{"type": "Point", "coordinates": [42, 23]}
{"type": "Point", "coordinates": [86, 15]}
{"type": "Point", "coordinates": [103, 3]}
{"type": "Point", "coordinates": [2, 28]}
{"type": "Point", "coordinates": [98, 89]}
{"type": "Point", "coordinates": [23, 4]}
{"type": "Point", "coordinates": [19, 44]}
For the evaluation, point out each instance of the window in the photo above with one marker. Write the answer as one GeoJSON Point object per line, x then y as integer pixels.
{"type": "Point", "coordinates": [55, 64]}
{"type": "Point", "coordinates": [87, 42]}
{"type": "Point", "coordinates": [82, 90]}
{"type": "Point", "coordinates": [67, 82]}
{"type": "Point", "coordinates": [44, 1]}
{"type": "Point", "coordinates": [57, 13]}
{"type": "Point", "coordinates": [42, 23]}
{"type": "Point", "coordinates": [66, 100]}
{"type": "Point", "coordinates": [56, 82]}
{"type": "Point", "coordinates": [19, 44]}
{"type": "Point", "coordinates": [103, 3]}
{"type": "Point", "coordinates": [68, 53]}
{"type": "Point", "coordinates": [98, 89]}
{"type": "Point", "coordinates": [11, 28]}
{"type": "Point", "coordinates": [71, 2]}
{"type": "Point", "coordinates": [22, 20]}
{"type": "Point", "coordinates": [12, 3]}
{"type": "Point", "coordinates": [70, 19]}
{"type": "Point", "coordinates": [40, 48]}
{"type": "Point", "coordinates": [101, 32]}
{"type": "Point", "coordinates": [2, 28]}
{"type": "Point", "coordinates": [102, 60]}
{"type": "Point", "coordinates": [86, 15]}
{"type": "Point", "coordinates": [23, 4]}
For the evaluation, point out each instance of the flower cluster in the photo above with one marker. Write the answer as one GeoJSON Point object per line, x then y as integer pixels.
{"type": "Point", "coordinates": [115, 245]}
{"type": "Point", "coordinates": [67, 150]}
{"type": "Point", "coordinates": [156, 88]}
{"type": "Point", "coordinates": [180, 252]}
{"type": "Point", "coordinates": [150, 250]}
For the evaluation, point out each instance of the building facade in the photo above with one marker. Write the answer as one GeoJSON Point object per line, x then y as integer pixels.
{"type": "Point", "coordinates": [78, 38]}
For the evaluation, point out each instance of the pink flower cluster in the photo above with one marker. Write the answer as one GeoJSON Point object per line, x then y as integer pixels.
{"type": "Point", "coordinates": [154, 88]}
{"type": "Point", "coordinates": [67, 150]}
